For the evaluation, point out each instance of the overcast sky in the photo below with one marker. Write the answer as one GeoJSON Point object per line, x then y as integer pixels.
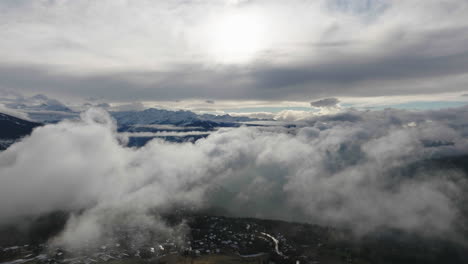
{"type": "Point", "coordinates": [237, 50]}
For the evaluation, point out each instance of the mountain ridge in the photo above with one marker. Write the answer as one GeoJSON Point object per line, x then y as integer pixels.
{"type": "Point", "coordinates": [14, 128]}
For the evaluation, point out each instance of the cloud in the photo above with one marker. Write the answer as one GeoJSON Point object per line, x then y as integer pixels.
{"type": "Point", "coordinates": [166, 134]}
{"type": "Point", "coordinates": [134, 106]}
{"type": "Point", "coordinates": [17, 100]}
{"type": "Point", "coordinates": [19, 114]}
{"type": "Point", "coordinates": [327, 102]}
{"type": "Point", "coordinates": [361, 170]}
{"type": "Point", "coordinates": [292, 115]}
{"type": "Point", "coordinates": [337, 53]}
{"type": "Point", "coordinates": [237, 2]}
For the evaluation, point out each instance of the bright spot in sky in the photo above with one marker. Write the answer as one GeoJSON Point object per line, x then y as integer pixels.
{"type": "Point", "coordinates": [236, 37]}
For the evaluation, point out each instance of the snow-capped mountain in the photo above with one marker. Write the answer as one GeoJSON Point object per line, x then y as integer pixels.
{"type": "Point", "coordinates": [52, 116]}
{"type": "Point", "coordinates": [38, 102]}
{"type": "Point", "coordinates": [227, 118]}
{"type": "Point", "coordinates": [155, 116]}
{"type": "Point", "coordinates": [52, 107]}
{"type": "Point", "coordinates": [134, 123]}
{"type": "Point", "coordinates": [178, 118]}
{"type": "Point", "coordinates": [40, 108]}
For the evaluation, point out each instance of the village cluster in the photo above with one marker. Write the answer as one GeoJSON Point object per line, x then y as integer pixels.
{"type": "Point", "coordinates": [208, 235]}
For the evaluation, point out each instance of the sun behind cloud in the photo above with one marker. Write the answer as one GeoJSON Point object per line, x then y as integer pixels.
{"type": "Point", "coordinates": [236, 37]}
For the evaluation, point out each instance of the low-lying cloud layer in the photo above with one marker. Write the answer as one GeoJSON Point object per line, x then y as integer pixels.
{"type": "Point", "coordinates": [362, 170]}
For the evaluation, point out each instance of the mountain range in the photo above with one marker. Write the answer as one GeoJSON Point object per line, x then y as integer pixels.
{"type": "Point", "coordinates": [181, 118]}
{"type": "Point", "coordinates": [128, 121]}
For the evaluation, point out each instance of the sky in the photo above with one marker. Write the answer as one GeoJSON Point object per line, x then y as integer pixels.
{"type": "Point", "coordinates": [216, 53]}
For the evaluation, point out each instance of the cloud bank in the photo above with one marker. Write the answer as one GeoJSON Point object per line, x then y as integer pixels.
{"type": "Point", "coordinates": [356, 169]}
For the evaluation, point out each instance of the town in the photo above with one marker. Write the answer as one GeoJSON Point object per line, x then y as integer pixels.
{"type": "Point", "coordinates": [218, 239]}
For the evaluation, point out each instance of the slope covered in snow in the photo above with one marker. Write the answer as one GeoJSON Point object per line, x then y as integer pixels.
{"type": "Point", "coordinates": [13, 128]}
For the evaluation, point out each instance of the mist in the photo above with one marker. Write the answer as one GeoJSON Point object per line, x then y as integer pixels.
{"type": "Point", "coordinates": [362, 170]}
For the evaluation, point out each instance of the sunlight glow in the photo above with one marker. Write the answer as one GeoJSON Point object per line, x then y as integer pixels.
{"type": "Point", "coordinates": [236, 37]}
